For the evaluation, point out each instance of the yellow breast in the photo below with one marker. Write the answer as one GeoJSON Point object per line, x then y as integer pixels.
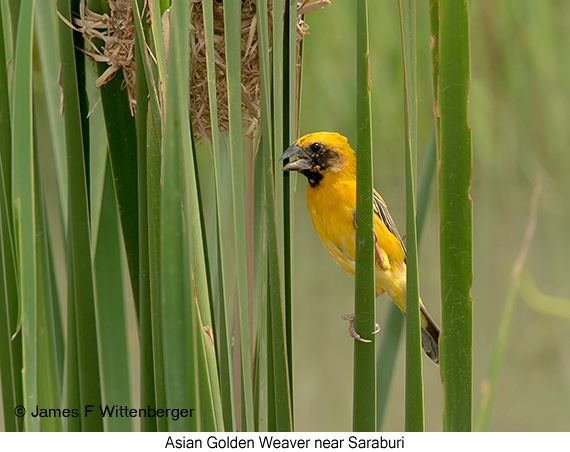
{"type": "Point", "coordinates": [331, 205]}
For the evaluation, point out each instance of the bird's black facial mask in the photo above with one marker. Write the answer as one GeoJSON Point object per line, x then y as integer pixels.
{"type": "Point", "coordinates": [310, 161]}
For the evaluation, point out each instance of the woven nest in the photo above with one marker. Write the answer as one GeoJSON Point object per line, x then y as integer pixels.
{"type": "Point", "coordinates": [250, 85]}
{"type": "Point", "coordinates": [250, 92]}
{"type": "Point", "coordinates": [117, 32]}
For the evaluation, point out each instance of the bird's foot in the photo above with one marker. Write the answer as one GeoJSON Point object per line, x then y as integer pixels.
{"type": "Point", "coordinates": [352, 331]}
{"type": "Point", "coordinates": [376, 328]}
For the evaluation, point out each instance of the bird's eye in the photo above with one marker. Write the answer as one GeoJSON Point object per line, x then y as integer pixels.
{"type": "Point", "coordinates": [316, 147]}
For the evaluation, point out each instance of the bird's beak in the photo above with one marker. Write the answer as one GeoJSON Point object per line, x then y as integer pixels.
{"type": "Point", "coordinates": [301, 163]}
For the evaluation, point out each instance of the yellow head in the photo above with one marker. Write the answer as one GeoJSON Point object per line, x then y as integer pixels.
{"type": "Point", "coordinates": [317, 154]}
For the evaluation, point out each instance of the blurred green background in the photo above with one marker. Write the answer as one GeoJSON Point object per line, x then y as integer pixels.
{"type": "Point", "coordinates": [519, 113]}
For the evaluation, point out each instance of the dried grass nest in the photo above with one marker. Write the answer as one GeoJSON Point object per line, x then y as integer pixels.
{"type": "Point", "coordinates": [117, 33]}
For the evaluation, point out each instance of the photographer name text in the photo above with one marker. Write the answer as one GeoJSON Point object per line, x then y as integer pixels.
{"type": "Point", "coordinates": [108, 411]}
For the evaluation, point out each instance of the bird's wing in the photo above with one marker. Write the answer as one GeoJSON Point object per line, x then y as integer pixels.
{"type": "Point", "coordinates": [381, 210]}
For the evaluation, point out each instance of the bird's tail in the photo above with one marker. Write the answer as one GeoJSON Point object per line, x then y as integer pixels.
{"type": "Point", "coordinates": [430, 337]}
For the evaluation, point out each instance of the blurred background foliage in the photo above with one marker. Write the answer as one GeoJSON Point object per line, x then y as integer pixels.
{"type": "Point", "coordinates": [519, 110]}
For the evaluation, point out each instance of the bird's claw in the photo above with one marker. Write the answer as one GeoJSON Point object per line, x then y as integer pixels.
{"type": "Point", "coordinates": [352, 331]}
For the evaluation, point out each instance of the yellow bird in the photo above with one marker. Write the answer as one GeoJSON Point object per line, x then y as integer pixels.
{"type": "Point", "coordinates": [328, 162]}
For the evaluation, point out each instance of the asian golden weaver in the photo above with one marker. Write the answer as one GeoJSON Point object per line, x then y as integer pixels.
{"type": "Point", "coordinates": [328, 162]}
